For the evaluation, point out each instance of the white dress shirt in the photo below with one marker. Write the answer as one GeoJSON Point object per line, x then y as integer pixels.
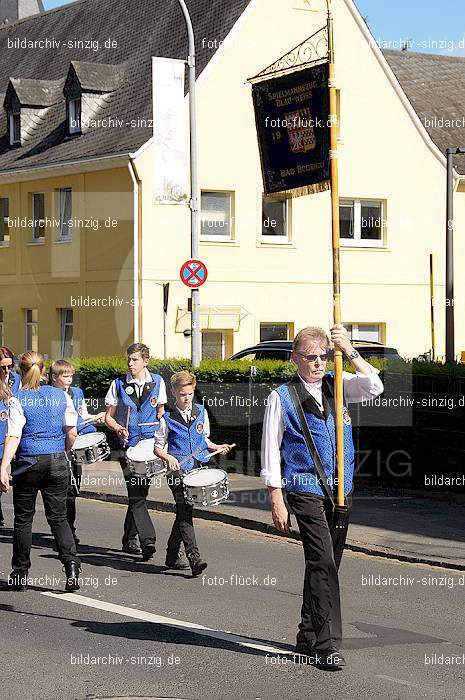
{"type": "Point", "coordinates": [356, 388]}
{"type": "Point", "coordinates": [161, 433]}
{"type": "Point", "coordinates": [17, 419]}
{"type": "Point", "coordinates": [111, 399]}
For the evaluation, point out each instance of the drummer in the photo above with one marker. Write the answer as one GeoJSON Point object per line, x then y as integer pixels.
{"type": "Point", "coordinates": [9, 386]}
{"type": "Point", "coordinates": [61, 375]}
{"type": "Point", "coordinates": [185, 430]}
{"type": "Point", "coordinates": [135, 403]}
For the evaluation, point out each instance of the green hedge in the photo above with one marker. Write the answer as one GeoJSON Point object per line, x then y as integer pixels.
{"type": "Point", "coordinates": [96, 373]}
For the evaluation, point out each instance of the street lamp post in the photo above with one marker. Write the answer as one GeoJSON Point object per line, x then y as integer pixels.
{"type": "Point", "coordinates": [450, 341]}
{"type": "Point", "coordinates": [194, 200]}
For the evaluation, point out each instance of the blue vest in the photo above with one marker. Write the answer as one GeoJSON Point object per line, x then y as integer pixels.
{"type": "Point", "coordinates": [77, 396]}
{"type": "Point", "coordinates": [44, 430]}
{"type": "Point", "coordinates": [3, 424]}
{"type": "Point", "coordinates": [184, 439]}
{"type": "Point", "coordinates": [14, 382]}
{"type": "Point", "coordinates": [299, 474]}
{"type": "Point", "coordinates": [143, 410]}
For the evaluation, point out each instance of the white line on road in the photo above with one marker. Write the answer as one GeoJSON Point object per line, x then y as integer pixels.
{"type": "Point", "coordinates": [169, 622]}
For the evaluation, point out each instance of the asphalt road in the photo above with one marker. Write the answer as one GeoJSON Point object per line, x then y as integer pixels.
{"type": "Point", "coordinates": [135, 631]}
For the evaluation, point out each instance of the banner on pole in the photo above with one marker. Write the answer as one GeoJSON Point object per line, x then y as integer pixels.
{"type": "Point", "coordinates": [293, 129]}
{"type": "Point", "coordinates": [171, 158]}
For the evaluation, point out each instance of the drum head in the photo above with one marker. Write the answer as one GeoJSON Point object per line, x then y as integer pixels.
{"type": "Point", "coordinates": [88, 440]}
{"type": "Point", "coordinates": [204, 477]}
{"type": "Point", "coordinates": [142, 452]}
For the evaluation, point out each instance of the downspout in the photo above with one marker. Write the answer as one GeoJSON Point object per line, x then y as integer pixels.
{"type": "Point", "coordinates": [137, 238]}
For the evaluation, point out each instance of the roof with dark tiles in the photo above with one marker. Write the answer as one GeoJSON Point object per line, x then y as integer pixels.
{"type": "Point", "coordinates": [435, 86]}
{"type": "Point", "coordinates": [135, 30]}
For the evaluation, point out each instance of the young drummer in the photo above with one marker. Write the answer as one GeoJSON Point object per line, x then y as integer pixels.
{"type": "Point", "coordinates": [135, 402]}
{"type": "Point", "coordinates": [61, 375]}
{"type": "Point", "coordinates": [184, 430]}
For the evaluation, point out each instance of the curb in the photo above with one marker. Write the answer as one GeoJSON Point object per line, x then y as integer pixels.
{"type": "Point", "coordinates": [268, 529]}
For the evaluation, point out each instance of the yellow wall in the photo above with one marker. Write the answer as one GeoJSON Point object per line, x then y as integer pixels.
{"type": "Point", "coordinates": [382, 155]}
{"type": "Point", "coordinates": [97, 263]}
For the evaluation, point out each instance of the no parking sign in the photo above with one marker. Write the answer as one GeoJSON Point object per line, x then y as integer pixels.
{"type": "Point", "coordinates": [193, 273]}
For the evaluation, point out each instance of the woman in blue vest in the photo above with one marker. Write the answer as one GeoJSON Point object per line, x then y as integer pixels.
{"type": "Point", "coordinates": [41, 429]}
{"type": "Point", "coordinates": [9, 386]}
{"type": "Point", "coordinates": [135, 403]}
{"type": "Point", "coordinates": [308, 481]}
{"type": "Point", "coordinates": [61, 375]}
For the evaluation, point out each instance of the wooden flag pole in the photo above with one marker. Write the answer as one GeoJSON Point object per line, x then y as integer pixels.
{"type": "Point", "coordinates": [338, 389]}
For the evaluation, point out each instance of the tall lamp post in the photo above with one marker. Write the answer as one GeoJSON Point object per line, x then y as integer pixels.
{"type": "Point", "coordinates": [450, 342]}
{"type": "Point", "coordinates": [194, 200]}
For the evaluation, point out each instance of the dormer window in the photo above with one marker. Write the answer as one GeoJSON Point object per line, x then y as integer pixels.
{"type": "Point", "coordinates": [74, 116]}
{"type": "Point", "coordinates": [14, 121]}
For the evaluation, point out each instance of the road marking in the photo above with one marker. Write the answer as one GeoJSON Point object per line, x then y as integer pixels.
{"type": "Point", "coordinates": [247, 642]}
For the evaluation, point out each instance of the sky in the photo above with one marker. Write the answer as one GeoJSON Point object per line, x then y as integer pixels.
{"type": "Point", "coordinates": [424, 25]}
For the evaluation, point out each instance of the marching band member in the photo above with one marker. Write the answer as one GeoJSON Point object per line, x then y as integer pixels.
{"type": "Point", "coordinates": [9, 386]}
{"type": "Point", "coordinates": [41, 428]}
{"type": "Point", "coordinates": [60, 376]}
{"type": "Point", "coordinates": [184, 432]}
{"type": "Point", "coordinates": [309, 475]}
{"type": "Point", "coordinates": [133, 400]}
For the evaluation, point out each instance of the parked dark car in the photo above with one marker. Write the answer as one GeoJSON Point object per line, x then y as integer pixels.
{"type": "Point", "coordinates": [281, 350]}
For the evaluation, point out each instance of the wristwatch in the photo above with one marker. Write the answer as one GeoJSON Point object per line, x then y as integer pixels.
{"type": "Point", "coordinates": [354, 354]}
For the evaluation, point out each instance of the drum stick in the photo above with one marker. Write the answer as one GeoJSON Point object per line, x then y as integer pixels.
{"type": "Point", "coordinates": [155, 423]}
{"type": "Point", "coordinates": [127, 420]}
{"type": "Point", "coordinates": [218, 451]}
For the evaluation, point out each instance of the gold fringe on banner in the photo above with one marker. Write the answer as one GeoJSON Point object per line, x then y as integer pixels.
{"type": "Point", "coordinates": [307, 189]}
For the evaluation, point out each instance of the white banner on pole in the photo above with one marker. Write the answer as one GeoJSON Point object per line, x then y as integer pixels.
{"type": "Point", "coordinates": [171, 159]}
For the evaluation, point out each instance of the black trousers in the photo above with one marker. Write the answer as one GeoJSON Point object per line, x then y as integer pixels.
{"type": "Point", "coordinates": [50, 476]}
{"type": "Point", "coordinates": [137, 520]}
{"type": "Point", "coordinates": [1, 511]}
{"type": "Point", "coordinates": [73, 491]}
{"type": "Point", "coordinates": [183, 526]}
{"type": "Point", "coordinates": [321, 623]}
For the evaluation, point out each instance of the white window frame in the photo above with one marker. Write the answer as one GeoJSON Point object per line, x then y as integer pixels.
{"type": "Point", "coordinates": [29, 329]}
{"type": "Point", "coordinates": [288, 325]}
{"type": "Point", "coordinates": [75, 113]}
{"type": "Point", "coordinates": [4, 222]}
{"type": "Point", "coordinates": [218, 237]}
{"type": "Point", "coordinates": [277, 240]}
{"type": "Point", "coordinates": [12, 117]}
{"type": "Point", "coordinates": [357, 241]}
{"type": "Point", "coordinates": [60, 206]}
{"type": "Point", "coordinates": [34, 237]}
{"type": "Point", "coordinates": [64, 324]}
{"type": "Point", "coordinates": [223, 338]}
{"type": "Point", "coordinates": [356, 329]}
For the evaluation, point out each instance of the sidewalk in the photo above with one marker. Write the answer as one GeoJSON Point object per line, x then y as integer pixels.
{"type": "Point", "coordinates": [408, 528]}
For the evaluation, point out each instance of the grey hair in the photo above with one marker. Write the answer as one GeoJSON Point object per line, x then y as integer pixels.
{"type": "Point", "coordinates": [312, 333]}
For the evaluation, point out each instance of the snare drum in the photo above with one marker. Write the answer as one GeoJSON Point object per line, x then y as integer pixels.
{"type": "Point", "coordinates": [141, 460]}
{"type": "Point", "coordinates": [206, 487]}
{"type": "Point", "coordinates": [90, 448]}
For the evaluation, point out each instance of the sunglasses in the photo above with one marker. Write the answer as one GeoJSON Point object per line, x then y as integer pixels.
{"type": "Point", "coordinates": [312, 358]}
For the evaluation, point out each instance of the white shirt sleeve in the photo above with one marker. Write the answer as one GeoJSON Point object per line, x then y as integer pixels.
{"type": "Point", "coordinates": [16, 418]}
{"type": "Point", "coordinates": [162, 397]}
{"type": "Point", "coordinates": [358, 387]}
{"type": "Point", "coordinates": [161, 434]}
{"type": "Point", "coordinates": [272, 435]}
{"type": "Point", "coordinates": [111, 399]}
{"type": "Point", "coordinates": [206, 430]}
{"type": "Point", "coordinates": [71, 416]}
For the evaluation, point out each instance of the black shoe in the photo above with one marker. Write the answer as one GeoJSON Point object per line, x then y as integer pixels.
{"type": "Point", "coordinates": [197, 566]}
{"type": "Point", "coordinates": [17, 581]}
{"type": "Point", "coordinates": [178, 564]}
{"type": "Point", "coordinates": [72, 575]}
{"type": "Point", "coordinates": [131, 547]}
{"type": "Point", "coordinates": [148, 551]}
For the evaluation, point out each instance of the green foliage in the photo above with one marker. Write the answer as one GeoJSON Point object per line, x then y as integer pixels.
{"type": "Point", "coordinates": [95, 374]}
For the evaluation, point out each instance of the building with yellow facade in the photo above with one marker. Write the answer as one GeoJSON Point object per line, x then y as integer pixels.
{"type": "Point", "coordinates": [84, 250]}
